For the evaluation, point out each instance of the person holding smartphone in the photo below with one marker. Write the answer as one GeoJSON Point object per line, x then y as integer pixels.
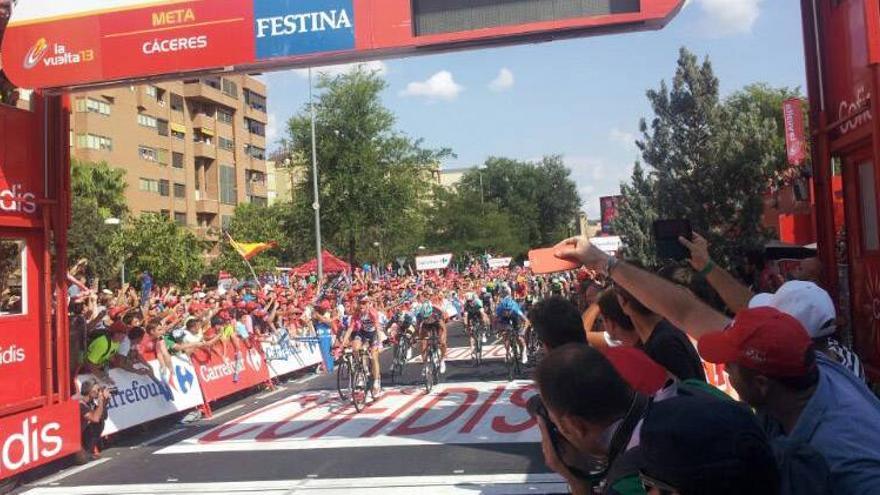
{"type": "Point", "coordinates": [92, 415]}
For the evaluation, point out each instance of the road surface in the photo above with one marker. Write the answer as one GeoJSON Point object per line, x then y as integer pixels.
{"type": "Point", "coordinates": [470, 435]}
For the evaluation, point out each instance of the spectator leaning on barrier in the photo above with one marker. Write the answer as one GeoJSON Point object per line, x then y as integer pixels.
{"type": "Point", "coordinates": [92, 414]}
{"type": "Point", "coordinates": [102, 349]}
{"type": "Point", "coordinates": [837, 415]}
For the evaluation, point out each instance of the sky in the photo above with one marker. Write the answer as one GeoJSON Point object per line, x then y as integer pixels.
{"type": "Point", "coordinates": [581, 99]}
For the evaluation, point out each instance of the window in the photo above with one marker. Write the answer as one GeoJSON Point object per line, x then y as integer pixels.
{"type": "Point", "coordinates": [255, 152]}
{"type": "Point", "coordinates": [229, 88]}
{"type": "Point", "coordinates": [151, 91]}
{"type": "Point", "coordinates": [225, 221]}
{"type": "Point", "coordinates": [148, 154]}
{"type": "Point", "coordinates": [162, 156]}
{"type": "Point", "coordinates": [162, 127]}
{"type": "Point", "coordinates": [147, 121]}
{"type": "Point", "coordinates": [255, 101]}
{"type": "Point", "coordinates": [225, 144]}
{"type": "Point", "coordinates": [176, 134]}
{"type": "Point", "coordinates": [176, 102]}
{"type": "Point", "coordinates": [92, 105]}
{"type": "Point", "coordinates": [224, 115]}
{"type": "Point", "coordinates": [164, 188]}
{"type": "Point", "coordinates": [177, 160]}
{"type": "Point", "coordinates": [868, 200]}
{"type": "Point", "coordinates": [201, 137]}
{"type": "Point", "coordinates": [13, 277]}
{"type": "Point", "coordinates": [227, 185]}
{"type": "Point", "coordinates": [255, 127]}
{"type": "Point", "coordinates": [148, 185]}
{"type": "Point", "coordinates": [180, 218]}
{"type": "Point", "coordinates": [94, 142]}
{"type": "Point", "coordinates": [259, 200]}
{"type": "Point", "coordinates": [179, 190]}
{"type": "Point", "coordinates": [165, 213]}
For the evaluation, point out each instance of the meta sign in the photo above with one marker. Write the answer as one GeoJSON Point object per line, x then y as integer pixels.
{"type": "Point", "coordinates": [30, 439]}
{"type": "Point", "coordinates": [77, 43]}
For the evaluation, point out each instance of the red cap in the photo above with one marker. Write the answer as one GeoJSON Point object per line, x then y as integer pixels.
{"type": "Point", "coordinates": [762, 339]}
{"type": "Point", "coordinates": [324, 305]}
{"type": "Point", "coordinates": [118, 327]}
{"type": "Point", "coordinates": [117, 311]}
{"type": "Point", "coordinates": [642, 373]}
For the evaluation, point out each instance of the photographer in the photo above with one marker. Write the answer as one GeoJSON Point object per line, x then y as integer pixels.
{"type": "Point", "coordinates": [92, 415]}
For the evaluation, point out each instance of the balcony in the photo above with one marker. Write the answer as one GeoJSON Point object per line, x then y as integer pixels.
{"type": "Point", "coordinates": [198, 90]}
{"type": "Point", "coordinates": [253, 113]}
{"type": "Point", "coordinates": [204, 150]}
{"type": "Point", "coordinates": [204, 121]}
{"type": "Point", "coordinates": [207, 206]}
{"type": "Point", "coordinates": [256, 188]}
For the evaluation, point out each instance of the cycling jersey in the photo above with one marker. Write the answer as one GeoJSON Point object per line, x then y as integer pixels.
{"type": "Point", "coordinates": [473, 308]}
{"type": "Point", "coordinates": [508, 311]}
{"type": "Point", "coordinates": [367, 321]}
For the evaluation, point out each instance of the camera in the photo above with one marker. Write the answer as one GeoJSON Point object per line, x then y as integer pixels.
{"type": "Point", "coordinates": [582, 465]}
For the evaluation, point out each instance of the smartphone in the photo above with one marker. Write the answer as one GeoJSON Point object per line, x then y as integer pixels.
{"type": "Point", "coordinates": [666, 234]}
{"type": "Point", "coordinates": [545, 261]}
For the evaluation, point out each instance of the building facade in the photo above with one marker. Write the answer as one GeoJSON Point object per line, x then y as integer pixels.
{"type": "Point", "coordinates": [192, 149]}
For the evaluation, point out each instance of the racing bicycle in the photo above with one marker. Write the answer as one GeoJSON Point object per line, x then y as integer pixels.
{"type": "Point", "coordinates": [432, 362]}
{"type": "Point", "coordinates": [477, 331]}
{"type": "Point", "coordinates": [513, 353]}
{"type": "Point", "coordinates": [401, 351]}
{"type": "Point", "coordinates": [354, 378]}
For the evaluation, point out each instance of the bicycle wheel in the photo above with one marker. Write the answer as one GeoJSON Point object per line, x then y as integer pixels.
{"type": "Point", "coordinates": [396, 365]}
{"type": "Point", "coordinates": [359, 390]}
{"type": "Point", "coordinates": [429, 374]}
{"type": "Point", "coordinates": [510, 358]}
{"type": "Point", "coordinates": [435, 357]}
{"type": "Point", "coordinates": [517, 359]}
{"type": "Point", "coordinates": [344, 380]}
{"type": "Point", "coordinates": [478, 346]}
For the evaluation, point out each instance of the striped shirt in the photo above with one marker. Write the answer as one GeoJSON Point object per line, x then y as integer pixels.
{"type": "Point", "coordinates": [847, 358]}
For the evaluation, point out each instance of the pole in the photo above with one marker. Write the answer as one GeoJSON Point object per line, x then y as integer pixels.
{"type": "Point", "coordinates": [317, 204]}
{"type": "Point", "coordinates": [122, 274]}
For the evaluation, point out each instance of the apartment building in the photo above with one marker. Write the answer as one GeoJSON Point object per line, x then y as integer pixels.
{"type": "Point", "coordinates": [192, 149]}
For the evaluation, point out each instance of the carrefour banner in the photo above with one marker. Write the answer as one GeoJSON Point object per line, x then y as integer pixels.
{"type": "Point", "coordinates": [500, 262]}
{"type": "Point", "coordinates": [291, 354]}
{"type": "Point", "coordinates": [433, 262]}
{"type": "Point", "coordinates": [141, 398]}
{"type": "Point", "coordinates": [227, 369]}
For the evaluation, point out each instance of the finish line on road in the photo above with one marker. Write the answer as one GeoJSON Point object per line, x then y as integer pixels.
{"type": "Point", "coordinates": [453, 413]}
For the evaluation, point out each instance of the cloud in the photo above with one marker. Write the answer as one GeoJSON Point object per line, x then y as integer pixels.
{"type": "Point", "coordinates": [627, 139]}
{"type": "Point", "coordinates": [503, 82]}
{"type": "Point", "coordinates": [335, 70]}
{"type": "Point", "coordinates": [272, 128]}
{"type": "Point", "coordinates": [728, 17]}
{"type": "Point", "coordinates": [440, 86]}
{"type": "Point", "coordinates": [597, 177]}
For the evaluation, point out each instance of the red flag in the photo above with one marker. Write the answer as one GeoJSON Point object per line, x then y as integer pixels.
{"type": "Point", "coordinates": [795, 141]}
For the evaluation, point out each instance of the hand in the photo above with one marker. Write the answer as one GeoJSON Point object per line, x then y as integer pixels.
{"type": "Point", "coordinates": [581, 250]}
{"type": "Point", "coordinates": [555, 463]}
{"type": "Point", "coordinates": [699, 248]}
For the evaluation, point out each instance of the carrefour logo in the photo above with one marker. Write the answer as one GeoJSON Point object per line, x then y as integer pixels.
{"type": "Point", "coordinates": [184, 378]}
{"type": "Point", "coordinates": [297, 27]}
{"type": "Point", "coordinates": [36, 53]}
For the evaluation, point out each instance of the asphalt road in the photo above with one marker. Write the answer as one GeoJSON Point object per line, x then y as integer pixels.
{"type": "Point", "coordinates": [471, 435]}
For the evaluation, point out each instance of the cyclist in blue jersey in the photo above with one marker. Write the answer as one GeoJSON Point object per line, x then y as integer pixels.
{"type": "Point", "coordinates": [510, 316]}
{"type": "Point", "coordinates": [433, 318]}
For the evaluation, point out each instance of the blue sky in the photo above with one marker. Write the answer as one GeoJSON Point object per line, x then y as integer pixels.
{"type": "Point", "coordinates": [582, 98]}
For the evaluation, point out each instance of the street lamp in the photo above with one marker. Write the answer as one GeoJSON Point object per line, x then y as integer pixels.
{"type": "Point", "coordinates": [115, 221]}
{"type": "Point", "coordinates": [378, 246]}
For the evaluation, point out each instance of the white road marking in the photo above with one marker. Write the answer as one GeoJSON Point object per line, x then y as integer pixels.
{"type": "Point", "coordinates": [74, 470]}
{"type": "Point", "coordinates": [278, 390]}
{"type": "Point", "coordinates": [158, 439]}
{"type": "Point", "coordinates": [492, 484]}
{"type": "Point", "coordinates": [227, 411]}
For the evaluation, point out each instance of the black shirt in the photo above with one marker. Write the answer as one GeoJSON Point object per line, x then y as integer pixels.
{"type": "Point", "coordinates": [669, 347]}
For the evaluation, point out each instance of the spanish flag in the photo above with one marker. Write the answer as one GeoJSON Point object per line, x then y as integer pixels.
{"type": "Point", "coordinates": [249, 250]}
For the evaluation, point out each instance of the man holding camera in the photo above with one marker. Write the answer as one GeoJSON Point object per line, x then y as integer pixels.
{"type": "Point", "coordinates": [92, 415]}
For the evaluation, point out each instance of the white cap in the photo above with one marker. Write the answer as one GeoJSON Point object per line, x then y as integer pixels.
{"type": "Point", "coordinates": [805, 301]}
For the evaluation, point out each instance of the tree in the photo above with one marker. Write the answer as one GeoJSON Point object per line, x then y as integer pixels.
{"type": "Point", "coordinates": [374, 180]}
{"type": "Point", "coordinates": [635, 217]}
{"type": "Point", "coordinates": [464, 226]}
{"type": "Point", "coordinates": [252, 223]}
{"type": "Point", "coordinates": [710, 161]}
{"type": "Point", "coordinates": [98, 193]}
{"type": "Point", "coordinates": [153, 242]}
{"type": "Point", "coordinates": [540, 197]}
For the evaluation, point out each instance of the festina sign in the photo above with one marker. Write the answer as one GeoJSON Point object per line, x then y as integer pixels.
{"type": "Point", "coordinates": [298, 27]}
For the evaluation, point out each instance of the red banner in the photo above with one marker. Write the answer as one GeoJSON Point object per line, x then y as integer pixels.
{"type": "Point", "coordinates": [795, 141]}
{"type": "Point", "coordinates": [608, 206]}
{"type": "Point", "coordinates": [30, 439]}
{"type": "Point", "coordinates": [227, 369]}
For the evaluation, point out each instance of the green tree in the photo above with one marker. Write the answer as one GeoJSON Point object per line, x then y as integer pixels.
{"type": "Point", "coordinates": [635, 216]}
{"type": "Point", "coordinates": [374, 180]}
{"type": "Point", "coordinates": [465, 226]}
{"type": "Point", "coordinates": [541, 197]}
{"type": "Point", "coordinates": [153, 242]}
{"type": "Point", "coordinates": [98, 193]}
{"type": "Point", "coordinates": [252, 223]}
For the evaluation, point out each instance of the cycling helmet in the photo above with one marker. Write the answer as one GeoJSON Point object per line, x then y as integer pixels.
{"type": "Point", "coordinates": [505, 291]}
{"type": "Point", "coordinates": [426, 310]}
{"type": "Point", "coordinates": [470, 296]}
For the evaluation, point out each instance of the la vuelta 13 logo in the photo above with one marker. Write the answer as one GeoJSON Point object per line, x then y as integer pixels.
{"type": "Point", "coordinates": [55, 55]}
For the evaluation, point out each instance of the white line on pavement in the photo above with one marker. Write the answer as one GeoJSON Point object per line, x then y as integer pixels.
{"type": "Point", "coordinates": [277, 390]}
{"type": "Point", "coordinates": [227, 411]}
{"type": "Point", "coordinates": [70, 472]}
{"type": "Point", "coordinates": [161, 437]}
{"type": "Point", "coordinates": [426, 485]}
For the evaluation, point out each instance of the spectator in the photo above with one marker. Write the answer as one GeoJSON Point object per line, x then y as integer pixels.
{"type": "Point", "coordinates": [661, 341]}
{"type": "Point", "coordinates": [590, 413]}
{"type": "Point", "coordinates": [128, 357]}
{"type": "Point", "coordinates": [101, 351]}
{"type": "Point", "coordinates": [557, 322]}
{"type": "Point", "coordinates": [835, 414]}
{"type": "Point", "coordinates": [690, 446]}
{"type": "Point", "coordinates": [92, 415]}
{"type": "Point", "coordinates": [617, 326]}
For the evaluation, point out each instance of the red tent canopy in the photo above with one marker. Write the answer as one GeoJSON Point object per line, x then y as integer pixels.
{"type": "Point", "coordinates": [332, 264]}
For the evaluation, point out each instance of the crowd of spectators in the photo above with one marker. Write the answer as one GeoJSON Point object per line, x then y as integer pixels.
{"type": "Point", "coordinates": [624, 406]}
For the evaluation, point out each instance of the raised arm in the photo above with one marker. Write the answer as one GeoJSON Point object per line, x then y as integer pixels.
{"type": "Point", "coordinates": [734, 294]}
{"type": "Point", "coordinates": [665, 298]}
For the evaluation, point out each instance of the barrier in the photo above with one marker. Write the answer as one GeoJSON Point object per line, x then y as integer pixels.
{"type": "Point", "coordinates": [224, 375]}
{"type": "Point", "coordinates": [140, 398]}
{"type": "Point", "coordinates": [291, 354]}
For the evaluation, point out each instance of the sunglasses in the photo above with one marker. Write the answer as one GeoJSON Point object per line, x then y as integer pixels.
{"type": "Point", "coordinates": [649, 483]}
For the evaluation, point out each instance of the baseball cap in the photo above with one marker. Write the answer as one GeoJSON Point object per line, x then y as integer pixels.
{"type": "Point", "coordinates": [807, 302]}
{"type": "Point", "coordinates": [324, 305]}
{"type": "Point", "coordinates": [642, 373]}
{"type": "Point", "coordinates": [762, 339]}
{"type": "Point", "coordinates": [706, 445]}
{"type": "Point", "coordinates": [117, 311]}
{"type": "Point", "coordinates": [118, 327]}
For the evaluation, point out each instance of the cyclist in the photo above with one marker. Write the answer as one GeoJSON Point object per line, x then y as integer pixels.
{"type": "Point", "coordinates": [486, 298]}
{"type": "Point", "coordinates": [432, 318]}
{"type": "Point", "coordinates": [363, 331]}
{"type": "Point", "coordinates": [556, 286]}
{"type": "Point", "coordinates": [510, 317]}
{"type": "Point", "coordinates": [474, 313]}
{"type": "Point", "coordinates": [402, 324]}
